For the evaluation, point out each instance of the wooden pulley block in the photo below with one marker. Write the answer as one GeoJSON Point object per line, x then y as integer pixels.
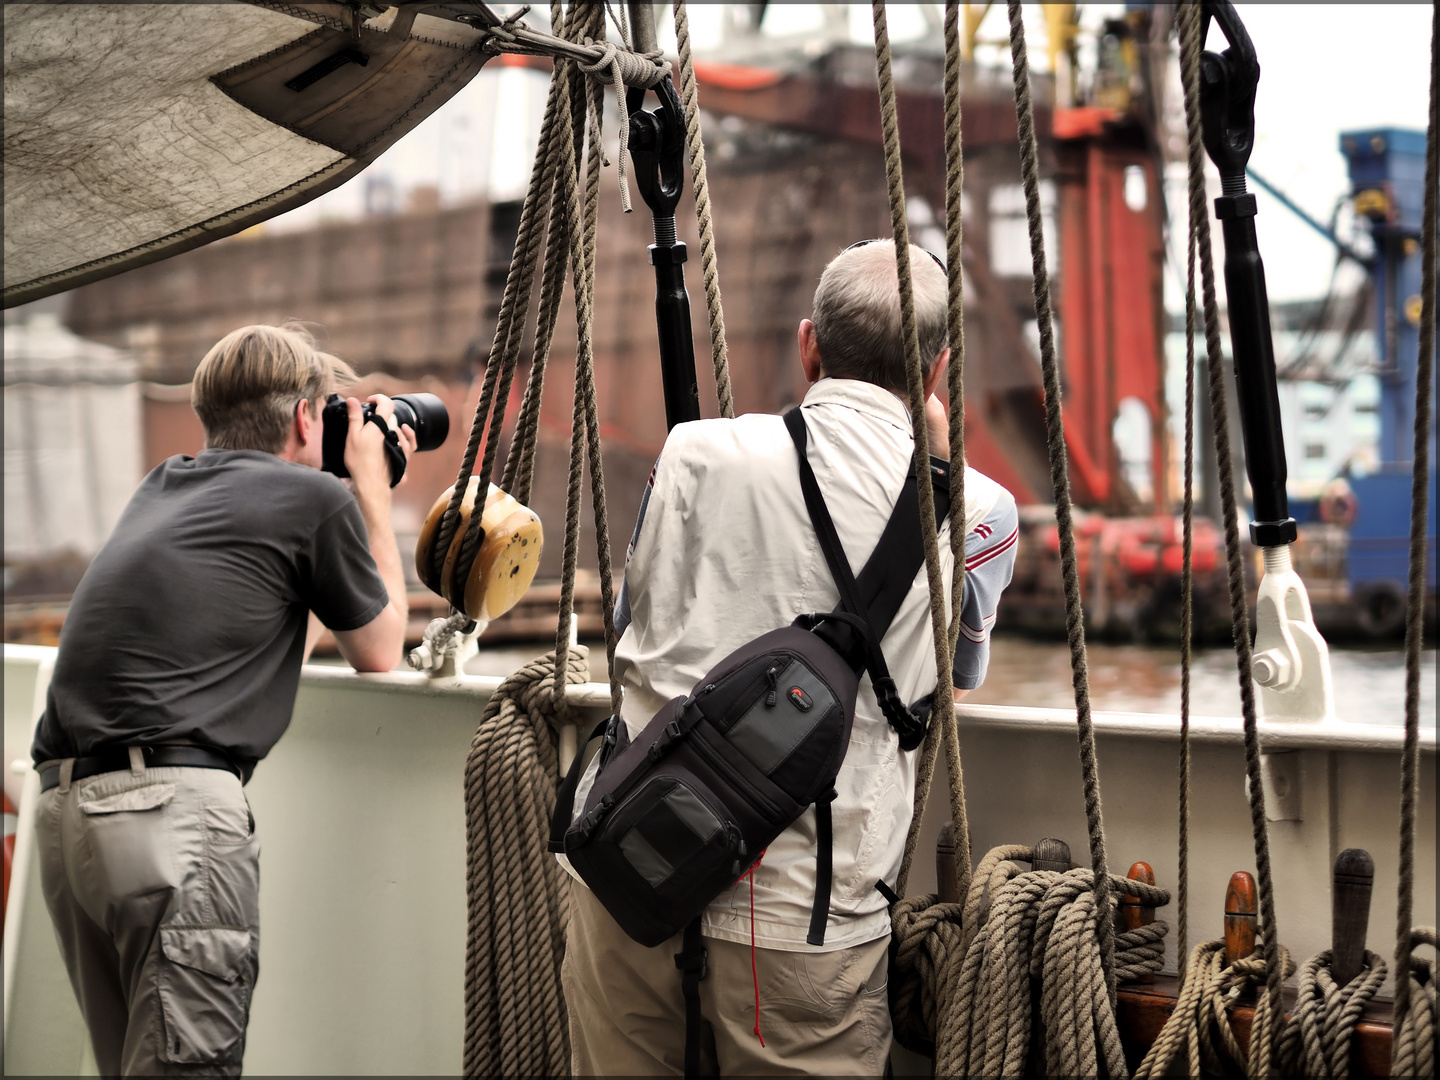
{"type": "Point", "coordinates": [504, 566]}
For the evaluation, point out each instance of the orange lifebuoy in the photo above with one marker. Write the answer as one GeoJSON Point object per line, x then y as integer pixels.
{"type": "Point", "coordinates": [10, 822]}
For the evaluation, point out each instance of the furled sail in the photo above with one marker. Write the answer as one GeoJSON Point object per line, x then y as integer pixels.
{"type": "Point", "coordinates": [136, 131]}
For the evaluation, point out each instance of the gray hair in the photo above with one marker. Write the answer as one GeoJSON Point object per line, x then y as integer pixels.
{"type": "Point", "coordinates": [857, 314]}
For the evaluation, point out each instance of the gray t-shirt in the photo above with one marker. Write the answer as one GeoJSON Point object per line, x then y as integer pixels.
{"type": "Point", "coordinates": [190, 623]}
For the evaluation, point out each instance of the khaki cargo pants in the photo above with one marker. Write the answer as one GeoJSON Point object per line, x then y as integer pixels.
{"type": "Point", "coordinates": [822, 1013]}
{"type": "Point", "coordinates": [152, 878]}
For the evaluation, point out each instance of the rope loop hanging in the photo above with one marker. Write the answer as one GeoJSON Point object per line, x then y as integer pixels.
{"type": "Point", "coordinates": [518, 896]}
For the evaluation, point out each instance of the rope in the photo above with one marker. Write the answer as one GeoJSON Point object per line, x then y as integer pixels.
{"type": "Point", "coordinates": [1189, 26]}
{"type": "Point", "coordinates": [944, 706]}
{"type": "Point", "coordinates": [621, 67]}
{"type": "Point", "coordinates": [1060, 481]}
{"type": "Point", "coordinates": [1200, 1024]}
{"type": "Point", "coordinates": [1317, 1039]}
{"type": "Point", "coordinates": [1034, 932]}
{"type": "Point", "coordinates": [1187, 607]}
{"type": "Point", "coordinates": [1407, 1053]}
{"type": "Point", "coordinates": [509, 328]}
{"type": "Point", "coordinates": [1413, 1048]}
{"type": "Point", "coordinates": [709, 264]}
{"type": "Point", "coordinates": [518, 896]}
{"type": "Point", "coordinates": [585, 427]}
{"type": "Point", "coordinates": [928, 934]}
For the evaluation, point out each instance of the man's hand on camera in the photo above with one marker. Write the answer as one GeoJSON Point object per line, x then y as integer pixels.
{"type": "Point", "coordinates": [365, 456]}
{"type": "Point", "coordinates": [377, 646]}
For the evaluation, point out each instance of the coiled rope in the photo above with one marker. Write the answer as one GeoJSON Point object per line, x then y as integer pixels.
{"type": "Point", "coordinates": [1200, 1024]}
{"type": "Point", "coordinates": [1039, 935]}
{"type": "Point", "coordinates": [515, 1020]}
{"type": "Point", "coordinates": [1317, 1038]}
{"type": "Point", "coordinates": [1413, 1048]}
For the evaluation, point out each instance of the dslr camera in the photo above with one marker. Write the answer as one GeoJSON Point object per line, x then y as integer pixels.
{"type": "Point", "coordinates": [425, 413]}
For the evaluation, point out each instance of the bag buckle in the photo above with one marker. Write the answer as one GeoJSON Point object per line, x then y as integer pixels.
{"type": "Point", "coordinates": [592, 820]}
{"type": "Point", "coordinates": [697, 961]}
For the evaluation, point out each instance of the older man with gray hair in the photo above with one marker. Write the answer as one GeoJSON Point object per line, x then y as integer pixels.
{"type": "Point", "coordinates": [724, 550]}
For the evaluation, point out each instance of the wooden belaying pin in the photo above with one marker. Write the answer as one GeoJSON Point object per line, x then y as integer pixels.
{"type": "Point", "coordinates": [1135, 913]}
{"type": "Point", "coordinates": [1241, 909]}
{"type": "Point", "coordinates": [1052, 854]}
{"type": "Point", "coordinates": [947, 874]}
{"type": "Point", "coordinates": [1350, 913]}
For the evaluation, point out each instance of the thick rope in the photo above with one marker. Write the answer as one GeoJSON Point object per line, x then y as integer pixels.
{"type": "Point", "coordinates": [1405, 1055]}
{"type": "Point", "coordinates": [929, 935]}
{"type": "Point", "coordinates": [585, 427]}
{"type": "Point", "coordinates": [518, 896]}
{"type": "Point", "coordinates": [1200, 1024]}
{"type": "Point", "coordinates": [944, 701]}
{"type": "Point", "coordinates": [1317, 1039]}
{"type": "Point", "coordinates": [1032, 932]}
{"type": "Point", "coordinates": [1413, 1047]}
{"type": "Point", "coordinates": [509, 329]}
{"type": "Point", "coordinates": [1190, 44]}
{"type": "Point", "coordinates": [709, 264]}
{"type": "Point", "coordinates": [1060, 481]}
{"type": "Point", "coordinates": [1187, 613]}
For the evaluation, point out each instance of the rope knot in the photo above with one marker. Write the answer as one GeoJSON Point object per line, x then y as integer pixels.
{"type": "Point", "coordinates": [619, 68]}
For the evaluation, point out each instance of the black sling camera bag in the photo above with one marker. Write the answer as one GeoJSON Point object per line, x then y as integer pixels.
{"type": "Point", "coordinates": [679, 814]}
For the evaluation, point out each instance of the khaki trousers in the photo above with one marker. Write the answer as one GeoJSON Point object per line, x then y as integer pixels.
{"type": "Point", "coordinates": [822, 1013]}
{"type": "Point", "coordinates": [152, 879]}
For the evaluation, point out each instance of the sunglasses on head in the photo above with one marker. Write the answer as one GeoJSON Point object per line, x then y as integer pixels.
{"type": "Point", "coordinates": [938, 261]}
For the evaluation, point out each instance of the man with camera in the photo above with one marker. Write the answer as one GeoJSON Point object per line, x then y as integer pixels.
{"type": "Point", "coordinates": [726, 550]}
{"type": "Point", "coordinates": [177, 672]}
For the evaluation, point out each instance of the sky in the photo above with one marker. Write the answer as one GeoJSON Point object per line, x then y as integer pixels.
{"type": "Point", "coordinates": [1325, 68]}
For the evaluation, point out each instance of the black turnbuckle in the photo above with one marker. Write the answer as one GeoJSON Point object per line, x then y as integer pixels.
{"type": "Point", "coordinates": [657, 147]}
{"type": "Point", "coordinates": [1227, 110]}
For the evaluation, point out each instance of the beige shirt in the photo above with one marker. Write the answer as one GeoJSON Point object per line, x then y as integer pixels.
{"type": "Point", "coordinates": [727, 552]}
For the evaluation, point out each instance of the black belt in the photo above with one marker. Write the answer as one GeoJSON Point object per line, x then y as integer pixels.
{"type": "Point", "coordinates": [156, 757]}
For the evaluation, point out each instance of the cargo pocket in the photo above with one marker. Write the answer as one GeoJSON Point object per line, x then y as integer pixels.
{"type": "Point", "coordinates": [145, 797]}
{"type": "Point", "coordinates": [206, 977]}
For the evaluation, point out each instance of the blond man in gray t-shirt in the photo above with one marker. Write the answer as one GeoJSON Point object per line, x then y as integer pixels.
{"type": "Point", "coordinates": [177, 671]}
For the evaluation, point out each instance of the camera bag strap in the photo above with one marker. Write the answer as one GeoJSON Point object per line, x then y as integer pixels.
{"type": "Point", "coordinates": [875, 600]}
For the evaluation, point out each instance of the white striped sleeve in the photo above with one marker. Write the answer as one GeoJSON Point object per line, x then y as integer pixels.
{"type": "Point", "coordinates": [989, 563]}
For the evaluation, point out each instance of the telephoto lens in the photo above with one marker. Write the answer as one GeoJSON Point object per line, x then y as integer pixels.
{"type": "Point", "coordinates": [427, 416]}
{"type": "Point", "coordinates": [425, 413]}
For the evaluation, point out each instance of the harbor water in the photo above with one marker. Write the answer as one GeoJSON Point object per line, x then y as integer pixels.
{"type": "Point", "coordinates": [1369, 682]}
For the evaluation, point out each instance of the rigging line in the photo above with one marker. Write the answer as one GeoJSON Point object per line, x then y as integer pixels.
{"type": "Point", "coordinates": [1405, 1054]}
{"type": "Point", "coordinates": [944, 700]}
{"type": "Point", "coordinates": [1060, 482]}
{"type": "Point", "coordinates": [540, 175]}
{"type": "Point", "coordinates": [1263, 1038]}
{"type": "Point", "coordinates": [955, 264]}
{"type": "Point", "coordinates": [585, 429]}
{"type": "Point", "coordinates": [1187, 610]}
